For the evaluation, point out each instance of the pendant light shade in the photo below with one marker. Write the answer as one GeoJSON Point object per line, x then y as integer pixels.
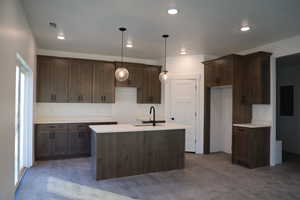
{"type": "Point", "coordinates": [163, 76]}
{"type": "Point", "coordinates": [122, 73]}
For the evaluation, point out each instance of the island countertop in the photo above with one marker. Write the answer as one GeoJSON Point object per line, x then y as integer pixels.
{"type": "Point", "coordinates": [133, 128]}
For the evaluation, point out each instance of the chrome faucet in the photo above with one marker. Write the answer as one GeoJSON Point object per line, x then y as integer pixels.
{"type": "Point", "coordinates": [153, 118]}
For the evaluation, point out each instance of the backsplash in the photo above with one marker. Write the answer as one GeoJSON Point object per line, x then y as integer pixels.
{"type": "Point", "coordinates": [124, 110]}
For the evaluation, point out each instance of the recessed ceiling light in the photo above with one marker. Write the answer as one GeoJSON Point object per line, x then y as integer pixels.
{"type": "Point", "coordinates": [129, 45]}
{"type": "Point", "coordinates": [172, 11]}
{"type": "Point", "coordinates": [60, 37]}
{"type": "Point", "coordinates": [182, 52]}
{"type": "Point", "coordinates": [245, 28]}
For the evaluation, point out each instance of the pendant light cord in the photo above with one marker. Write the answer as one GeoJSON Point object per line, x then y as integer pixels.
{"type": "Point", "coordinates": [165, 54]}
{"type": "Point", "coordinates": [122, 49]}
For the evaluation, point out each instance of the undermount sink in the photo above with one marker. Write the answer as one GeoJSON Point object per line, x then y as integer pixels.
{"type": "Point", "coordinates": [148, 124]}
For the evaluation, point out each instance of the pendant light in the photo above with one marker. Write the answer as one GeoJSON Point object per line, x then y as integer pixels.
{"type": "Point", "coordinates": [163, 76]}
{"type": "Point", "coordinates": [122, 73]}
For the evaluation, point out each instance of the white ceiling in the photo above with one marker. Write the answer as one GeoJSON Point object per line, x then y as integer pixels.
{"type": "Point", "coordinates": [202, 26]}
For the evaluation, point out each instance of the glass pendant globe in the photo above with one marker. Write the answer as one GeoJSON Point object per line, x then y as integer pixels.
{"type": "Point", "coordinates": [122, 74]}
{"type": "Point", "coordinates": [163, 77]}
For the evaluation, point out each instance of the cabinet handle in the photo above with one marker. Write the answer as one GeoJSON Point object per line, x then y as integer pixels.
{"type": "Point", "coordinates": [53, 135]}
{"type": "Point", "coordinates": [55, 97]}
{"type": "Point", "coordinates": [104, 97]}
{"type": "Point", "coordinates": [52, 97]}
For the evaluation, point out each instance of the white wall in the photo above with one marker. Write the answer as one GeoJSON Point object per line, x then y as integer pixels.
{"type": "Point", "coordinates": [268, 112]}
{"type": "Point", "coordinates": [189, 66]}
{"type": "Point", "coordinates": [15, 36]}
{"type": "Point", "coordinates": [124, 110]}
{"type": "Point", "coordinates": [221, 119]}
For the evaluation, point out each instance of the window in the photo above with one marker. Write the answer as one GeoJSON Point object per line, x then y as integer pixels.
{"type": "Point", "coordinates": [23, 119]}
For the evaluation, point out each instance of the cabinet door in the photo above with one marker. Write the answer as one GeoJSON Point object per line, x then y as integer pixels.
{"type": "Point", "coordinates": [241, 145]}
{"type": "Point", "coordinates": [210, 74]}
{"type": "Point", "coordinates": [257, 78]}
{"type": "Point", "coordinates": [224, 71]}
{"type": "Point", "coordinates": [104, 83]}
{"type": "Point", "coordinates": [60, 143]}
{"type": "Point", "coordinates": [45, 91]}
{"type": "Point", "coordinates": [79, 143]}
{"type": "Point", "coordinates": [109, 83]}
{"type": "Point", "coordinates": [155, 86]}
{"type": "Point", "coordinates": [43, 144]}
{"type": "Point", "coordinates": [60, 80]}
{"type": "Point", "coordinates": [81, 76]}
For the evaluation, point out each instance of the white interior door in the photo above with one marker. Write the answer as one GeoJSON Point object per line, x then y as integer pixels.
{"type": "Point", "coordinates": [183, 109]}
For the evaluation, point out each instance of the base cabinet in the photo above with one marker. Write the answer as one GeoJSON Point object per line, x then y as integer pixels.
{"type": "Point", "coordinates": [251, 146]}
{"type": "Point", "coordinates": [58, 141]}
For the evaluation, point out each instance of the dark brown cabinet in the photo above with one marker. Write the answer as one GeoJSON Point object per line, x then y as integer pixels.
{"type": "Point", "coordinates": [56, 141]}
{"type": "Point", "coordinates": [63, 80]}
{"type": "Point", "coordinates": [104, 82]}
{"type": "Point", "coordinates": [251, 146]}
{"type": "Point", "coordinates": [135, 75]}
{"type": "Point", "coordinates": [79, 139]}
{"type": "Point", "coordinates": [52, 78]}
{"type": "Point", "coordinates": [150, 91]}
{"type": "Point", "coordinates": [256, 88]}
{"type": "Point", "coordinates": [51, 141]}
{"type": "Point", "coordinates": [219, 72]}
{"type": "Point", "coordinates": [81, 73]}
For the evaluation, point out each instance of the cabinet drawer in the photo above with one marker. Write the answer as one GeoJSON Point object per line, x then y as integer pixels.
{"type": "Point", "coordinates": [52, 127]}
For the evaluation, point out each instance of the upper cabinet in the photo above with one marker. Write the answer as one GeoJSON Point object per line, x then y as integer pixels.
{"type": "Point", "coordinates": [63, 80]}
{"type": "Point", "coordinates": [104, 82]}
{"type": "Point", "coordinates": [135, 75]}
{"type": "Point", "coordinates": [52, 78]}
{"type": "Point", "coordinates": [256, 78]}
{"type": "Point", "coordinates": [219, 72]}
{"type": "Point", "coordinates": [150, 90]}
{"type": "Point", "coordinates": [80, 87]}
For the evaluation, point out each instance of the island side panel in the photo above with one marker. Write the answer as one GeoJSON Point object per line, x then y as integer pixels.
{"type": "Point", "coordinates": [164, 150]}
{"type": "Point", "coordinates": [132, 153]}
{"type": "Point", "coordinates": [119, 154]}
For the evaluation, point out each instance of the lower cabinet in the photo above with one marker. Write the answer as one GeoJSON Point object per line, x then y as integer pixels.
{"type": "Point", "coordinates": [58, 141]}
{"type": "Point", "coordinates": [251, 146]}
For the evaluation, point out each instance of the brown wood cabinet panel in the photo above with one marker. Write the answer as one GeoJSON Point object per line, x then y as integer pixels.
{"type": "Point", "coordinates": [164, 150]}
{"type": "Point", "coordinates": [126, 154]}
{"type": "Point", "coordinates": [135, 73]}
{"type": "Point", "coordinates": [60, 143]}
{"type": "Point", "coordinates": [150, 92]}
{"type": "Point", "coordinates": [219, 72]}
{"type": "Point", "coordinates": [104, 83]}
{"type": "Point", "coordinates": [242, 112]}
{"type": "Point", "coordinates": [57, 141]}
{"type": "Point", "coordinates": [43, 144]}
{"type": "Point", "coordinates": [81, 79]}
{"type": "Point", "coordinates": [52, 79]}
{"type": "Point", "coordinates": [257, 78]}
{"type": "Point", "coordinates": [251, 146]}
{"type": "Point", "coordinates": [44, 80]}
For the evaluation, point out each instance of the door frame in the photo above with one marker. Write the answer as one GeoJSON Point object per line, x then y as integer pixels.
{"type": "Point", "coordinates": [199, 105]}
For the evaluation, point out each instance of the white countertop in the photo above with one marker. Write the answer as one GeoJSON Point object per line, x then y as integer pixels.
{"type": "Point", "coordinates": [132, 128]}
{"type": "Point", "coordinates": [253, 125]}
{"type": "Point", "coordinates": [67, 120]}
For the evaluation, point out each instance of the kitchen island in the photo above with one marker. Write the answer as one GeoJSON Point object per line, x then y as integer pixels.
{"type": "Point", "coordinates": [126, 150]}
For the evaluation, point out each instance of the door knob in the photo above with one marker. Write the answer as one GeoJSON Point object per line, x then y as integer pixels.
{"type": "Point", "coordinates": [172, 118]}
